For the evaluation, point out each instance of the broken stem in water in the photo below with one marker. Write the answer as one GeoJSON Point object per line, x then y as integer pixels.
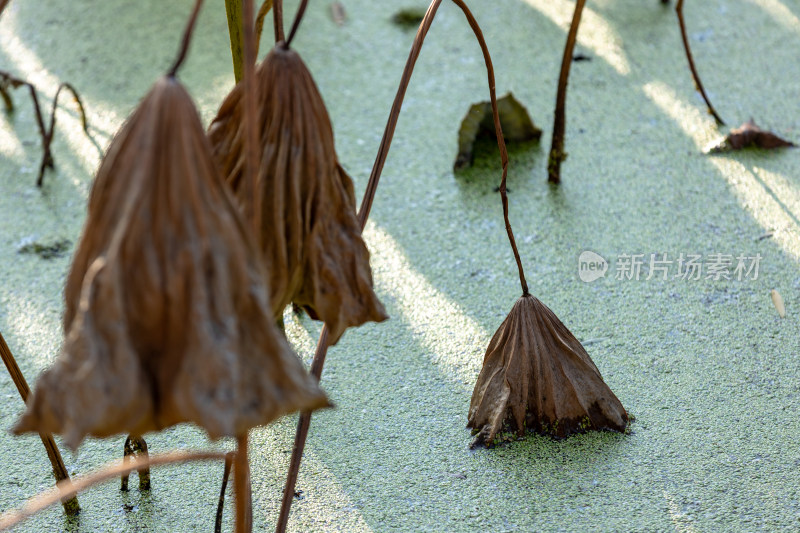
{"type": "Point", "coordinates": [71, 506]}
{"type": "Point", "coordinates": [695, 76]}
{"type": "Point", "coordinates": [221, 505]}
{"type": "Point", "coordinates": [557, 154]}
{"type": "Point", "coordinates": [135, 446]}
{"type": "Point", "coordinates": [366, 205]}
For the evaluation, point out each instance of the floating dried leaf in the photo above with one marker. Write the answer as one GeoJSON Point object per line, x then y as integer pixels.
{"type": "Point", "coordinates": [749, 134]}
{"type": "Point", "coordinates": [310, 236]}
{"type": "Point", "coordinates": [408, 17]}
{"type": "Point", "coordinates": [514, 119]}
{"type": "Point", "coordinates": [338, 13]}
{"type": "Point", "coordinates": [777, 301]}
{"type": "Point", "coordinates": [167, 317]}
{"type": "Point", "coordinates": [536, 376]}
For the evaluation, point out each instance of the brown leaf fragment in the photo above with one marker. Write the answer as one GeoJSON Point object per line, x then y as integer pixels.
{"type": "Point", "coordinates": [514, 119]}
{"type": "Point", "coordinates": [338, 14]}
{"type": "Point", "coordinates": [49, 250]}
{"type": "Point", "coordinates": [536, 376]}
{"type": "Point", "coordinates": [167, 315]}
{"type": "Point", "coordinates": [310, 236]}
{"type": "Point", "coordinates": [750, 135]}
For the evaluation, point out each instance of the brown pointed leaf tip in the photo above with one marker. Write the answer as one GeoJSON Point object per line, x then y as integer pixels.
{"type": "Point", "coordinates": [536, 376]}
{"type": "Point", "coordinates": [310, 236]}
{"type": "Point", "coordinates": [749, 135]}
{"type": "Point", "coordinates": [515, 122]}
{"type": "Point", "coordinates": [167, 314]}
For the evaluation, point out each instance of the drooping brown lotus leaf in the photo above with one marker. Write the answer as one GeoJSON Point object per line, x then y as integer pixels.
{"type": "Point", "coordinates": [168, 316]}
{"type": "Point", "coordinates": [536, 376]}
{"type": "Point", "coordinates": [747, 135]}
{"type": "Point", "coordinates": [310, 236]}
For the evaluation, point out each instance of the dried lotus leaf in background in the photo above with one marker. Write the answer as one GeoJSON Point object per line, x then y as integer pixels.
{"type": "Point", "coordinates": [168, 316]}
{"type": "Point", "coordinates": [515, 122]}
{"type": "Point", "coordinates": [536, 376]}
{"type": "Point", "coordinates": [310, 236]}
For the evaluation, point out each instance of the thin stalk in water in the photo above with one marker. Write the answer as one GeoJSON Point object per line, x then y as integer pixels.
{"type": "Point", "coordinates": [695, 76]}
{"type": "Point", "coordinates": [366, 205]}
{"type": "Point", "coordinates": [557, 154]}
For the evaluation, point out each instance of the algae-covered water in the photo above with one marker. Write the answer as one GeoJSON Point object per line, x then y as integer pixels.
{"type": "Point", "coordinates": [707, 366]}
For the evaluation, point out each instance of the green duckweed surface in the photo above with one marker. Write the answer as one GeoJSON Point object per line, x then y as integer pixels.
{"type": "Point", "coordinates": [707, 367]}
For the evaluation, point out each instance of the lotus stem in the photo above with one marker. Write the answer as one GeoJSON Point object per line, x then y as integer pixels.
{"type": "Point", "coordinates": [277, 20]}
{"type": "Point", "coordinates": [251, 208]}
{"type": "Point", "coordinates": [300, 436]}
{"type": "Point", "coordinates": [47, 138]}
{"type": "Point", "coordinates": [187, 37]}
{"type": "Point", "coordinates": [71, 506]}
{"type": "Point", "coordinates": [695, 76]}
{"type": "Point", "coordinates": [241, 486]}
{"type": "Point", "coordinates": [296, 24]}
{"type": "Point", "coordinates": [233, 9]}
{"type": "Point", "coordinates": [557, 154]}
{"type": "Point", "coordinates": [9, 103]}
{"type": "Point", "coordinates": [262, 14]}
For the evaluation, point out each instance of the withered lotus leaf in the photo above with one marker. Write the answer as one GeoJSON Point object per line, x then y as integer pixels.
{"type": "Point", "coordinates": [747, 135]}
{"type": "Point", "coordinates": [167, 313]}
{"type": "Point", "coordinates": [537, 376]}
{"type": "Point", "coordinates": [515, 122]}
{"type": "Point", "coordinates": [310, 236]}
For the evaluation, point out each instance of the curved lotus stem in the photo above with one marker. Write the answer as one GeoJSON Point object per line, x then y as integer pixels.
{"type": "Point", "coordinates": [47, 138]}
{"type": "Point", "coordinates": [135, 446]}
{"type": "Point", "coordinates": [66, 488]}
{"type": "Point", "coordinates": [695, 76]}
{"type": "Point", "coordinates": [187, 38]}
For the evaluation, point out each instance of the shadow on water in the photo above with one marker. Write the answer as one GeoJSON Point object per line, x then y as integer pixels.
{"type": "Point", "coordinates": [483, 175]}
